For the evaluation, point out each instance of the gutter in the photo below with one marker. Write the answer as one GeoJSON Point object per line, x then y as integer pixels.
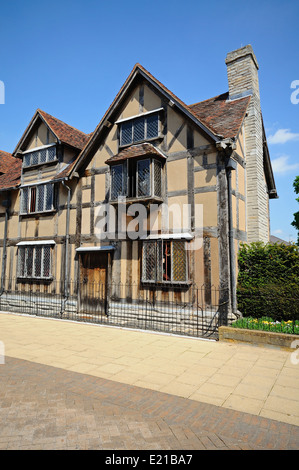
{"type": "Point", "coordinates": [67, 241]}
{"type": "Point", "coordinates": [6, 204]}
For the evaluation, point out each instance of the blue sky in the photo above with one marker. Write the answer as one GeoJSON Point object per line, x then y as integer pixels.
{"type": "Point", "coordinates": [70, 58]}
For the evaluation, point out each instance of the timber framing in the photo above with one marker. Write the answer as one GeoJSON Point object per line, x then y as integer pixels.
{"type": "Point", "coordinates": [194, 155]}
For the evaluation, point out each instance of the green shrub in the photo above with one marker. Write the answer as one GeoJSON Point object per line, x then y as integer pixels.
{"type": "Point", "coordinates": [268, 281]}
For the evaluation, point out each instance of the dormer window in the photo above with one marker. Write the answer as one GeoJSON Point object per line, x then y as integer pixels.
{"type": "Point", "coordinates": [137, 178]}
{"type": "Point", "coordinates": [139, 129]}
{"type": "Point", "coordinates": [39, 156]}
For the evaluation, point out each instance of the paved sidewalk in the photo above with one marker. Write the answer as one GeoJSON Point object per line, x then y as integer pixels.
{"type": "Point", "coordinates": [43, 407]}
{"type": "Point", "coordinates": [64, 383]}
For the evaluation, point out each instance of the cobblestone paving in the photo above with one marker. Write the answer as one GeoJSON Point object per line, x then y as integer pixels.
{"type": "Point", "coordinates": [43, 407]}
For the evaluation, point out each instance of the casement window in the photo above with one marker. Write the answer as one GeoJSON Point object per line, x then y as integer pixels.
{"type": "Point", "coordinates": [34, 262]}
{"type": "Point", "coordinates": [164, 261]}
{"type": "Point", "coordinates": [137, 179]}
{"type": "Point", "coordinates": [139, 129]}
{"type": "Point", "coordinates": [37, 157]}
{"type": "Point", "coordinates": [39, 198]}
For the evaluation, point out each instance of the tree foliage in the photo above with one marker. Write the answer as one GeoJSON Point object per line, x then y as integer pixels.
{"type": "Point", "coordinates": [295, 222]}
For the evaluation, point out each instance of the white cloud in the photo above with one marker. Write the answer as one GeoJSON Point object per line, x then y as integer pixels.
{"type": "Point", "coordinates": [280, 165]}
{"type": "Point", "coordinates": [282, 136]}
{"type": "Point", "coordinates": [277, 232]}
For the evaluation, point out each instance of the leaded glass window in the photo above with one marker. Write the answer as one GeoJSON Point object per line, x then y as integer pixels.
{"type": "Point", "coordinates": [143, 178]}
{"type": "Point", "coordinates": [139, 129]}
{"type": "Point", "coordinates": [117, 181]}
{"type": "Point", "coordinates": [136, 178]}
{"type": "Point", "coordinates": [36, 157]}
{"type": "Point", "coordinates": [39, 198]}
{"type": "Point", "coordinates": [164, 261]}
{"type": "Point", "coordinates": [34, 261]}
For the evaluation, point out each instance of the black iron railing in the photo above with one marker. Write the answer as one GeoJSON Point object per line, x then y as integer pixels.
{"type": "Point", "coordinates": [184, 310]}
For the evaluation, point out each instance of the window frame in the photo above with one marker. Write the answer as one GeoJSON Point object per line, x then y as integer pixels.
{"type": "Point", "coordinates": [127, 176]}
{"type": "Point", "coordinates": [24, 253]}
{"type": "Point", "coordinates": [135, 119]}
{"type": "Point", "coordinates": [158, 262]}
{"type": "Point", "coordinates": [32, 199]}
{"type": "Point", "coordinates": [38, 151]}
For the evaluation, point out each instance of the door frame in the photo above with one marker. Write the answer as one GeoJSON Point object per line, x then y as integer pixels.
{"type": "Point", "coordinates": [108, 251]}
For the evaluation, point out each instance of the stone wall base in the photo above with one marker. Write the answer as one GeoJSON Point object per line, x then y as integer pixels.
{"type": "Point", "coordinates": [258, 338]}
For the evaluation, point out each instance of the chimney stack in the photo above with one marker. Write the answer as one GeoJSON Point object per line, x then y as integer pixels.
{"type": "Point", "coordinates": [242, 73]}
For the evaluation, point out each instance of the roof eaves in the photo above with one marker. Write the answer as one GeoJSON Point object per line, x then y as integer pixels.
{"type": "Point", "coordinates": [25, 133]}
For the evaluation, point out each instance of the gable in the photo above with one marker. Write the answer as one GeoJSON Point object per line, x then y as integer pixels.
{"type": "Point", "coordinates": [140, 93]}
{"type": "Point", "coordinates": [39, 135]}
{"type": "Point", "coordinates": [45, 129]}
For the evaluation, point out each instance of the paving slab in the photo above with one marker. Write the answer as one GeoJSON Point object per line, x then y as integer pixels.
{"type": "Point", "coordinates": [165, 375]}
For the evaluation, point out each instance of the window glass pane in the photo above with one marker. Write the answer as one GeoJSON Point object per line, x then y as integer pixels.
{"type": "Point", "coordinates": [49, 197]}
{"type": "Point", "coordinates": [47, 261]}
{"type": "Point", "coordinates": [116, 181]}
{"type": "Point", "coordinates": [51, 154]}
{"type": "Point", "coordinates": [27, 159]}
{"type": "Point", "coordinates": [29, 261]}
{"type": "Point", "coordinates": [24, 203]}
{"type": "Point", "coordinates": [179, 261]}
{"type": "Point", "coordinates": [21, 261]}
{"type": "Point", "coordinates": [157, 168]}
{"type": "Point", "coordinates": [143, 178]}
{"type": "Point", "coordinates": [40, 197]}
{"type": "Point", "coordinates": [149, 261]}
{"type": "Point", "coordinates": [126, 133]}
{"type": "Point", "coordinates": [34, 160]}
{"type": "Point", "coordinates": [152, 126]}
{"type": "Point", "coordinates": [166, 261]}
{"type": "Point", "coordinates": [139, 129]}
{"type": "Point", "coordinates": [32, 199]}
{"type": "Point", "coordinates": [38, 261]}
{"type": "Point", "coordinates": [43, 156]}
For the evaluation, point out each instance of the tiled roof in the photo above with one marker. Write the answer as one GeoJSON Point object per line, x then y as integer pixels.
{"type": "Point", "coordinates": [6, 160]}
{"type": "Point", "coordinates": [65, 133]}
{"type": "Point", "coordinates": [222, 116]}
{"type": "Point", "coordinates": [12, 175]}
{"type": "Point", "coordinates": [138, 150]}
{"type": "Point", "coordinates": [217, 116]}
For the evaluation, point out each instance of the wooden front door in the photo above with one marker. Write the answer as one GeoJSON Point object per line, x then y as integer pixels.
{"type": "Point", "coordinates": [93, 282]}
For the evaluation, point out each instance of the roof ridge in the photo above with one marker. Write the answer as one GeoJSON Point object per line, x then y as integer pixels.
{"type": "Point", "coordinates": [208, 99]}
{"type": "Point", "coordinates": [217, 96]}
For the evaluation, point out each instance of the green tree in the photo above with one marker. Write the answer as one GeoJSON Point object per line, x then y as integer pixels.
{"type": "Point", "coordinates": [295, 222]}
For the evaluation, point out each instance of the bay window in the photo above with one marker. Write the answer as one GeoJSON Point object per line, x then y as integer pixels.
{"type": "Point", "coordinates": [136, 179]}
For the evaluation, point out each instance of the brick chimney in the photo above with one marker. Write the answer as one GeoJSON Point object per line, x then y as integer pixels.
{"type": "Point", "coordinates": [242, 73]}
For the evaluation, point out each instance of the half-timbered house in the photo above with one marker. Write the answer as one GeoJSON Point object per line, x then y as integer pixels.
{"type": "Point", "coordinates": [156, 199]}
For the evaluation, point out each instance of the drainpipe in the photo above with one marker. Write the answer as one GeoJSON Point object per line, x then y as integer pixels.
{"type": "Point", "coordinates": [230, 166]}
{"type": "Point", "coordinates": [6, 204]}
{"type": "Point", "coordinates": [67, 241]}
